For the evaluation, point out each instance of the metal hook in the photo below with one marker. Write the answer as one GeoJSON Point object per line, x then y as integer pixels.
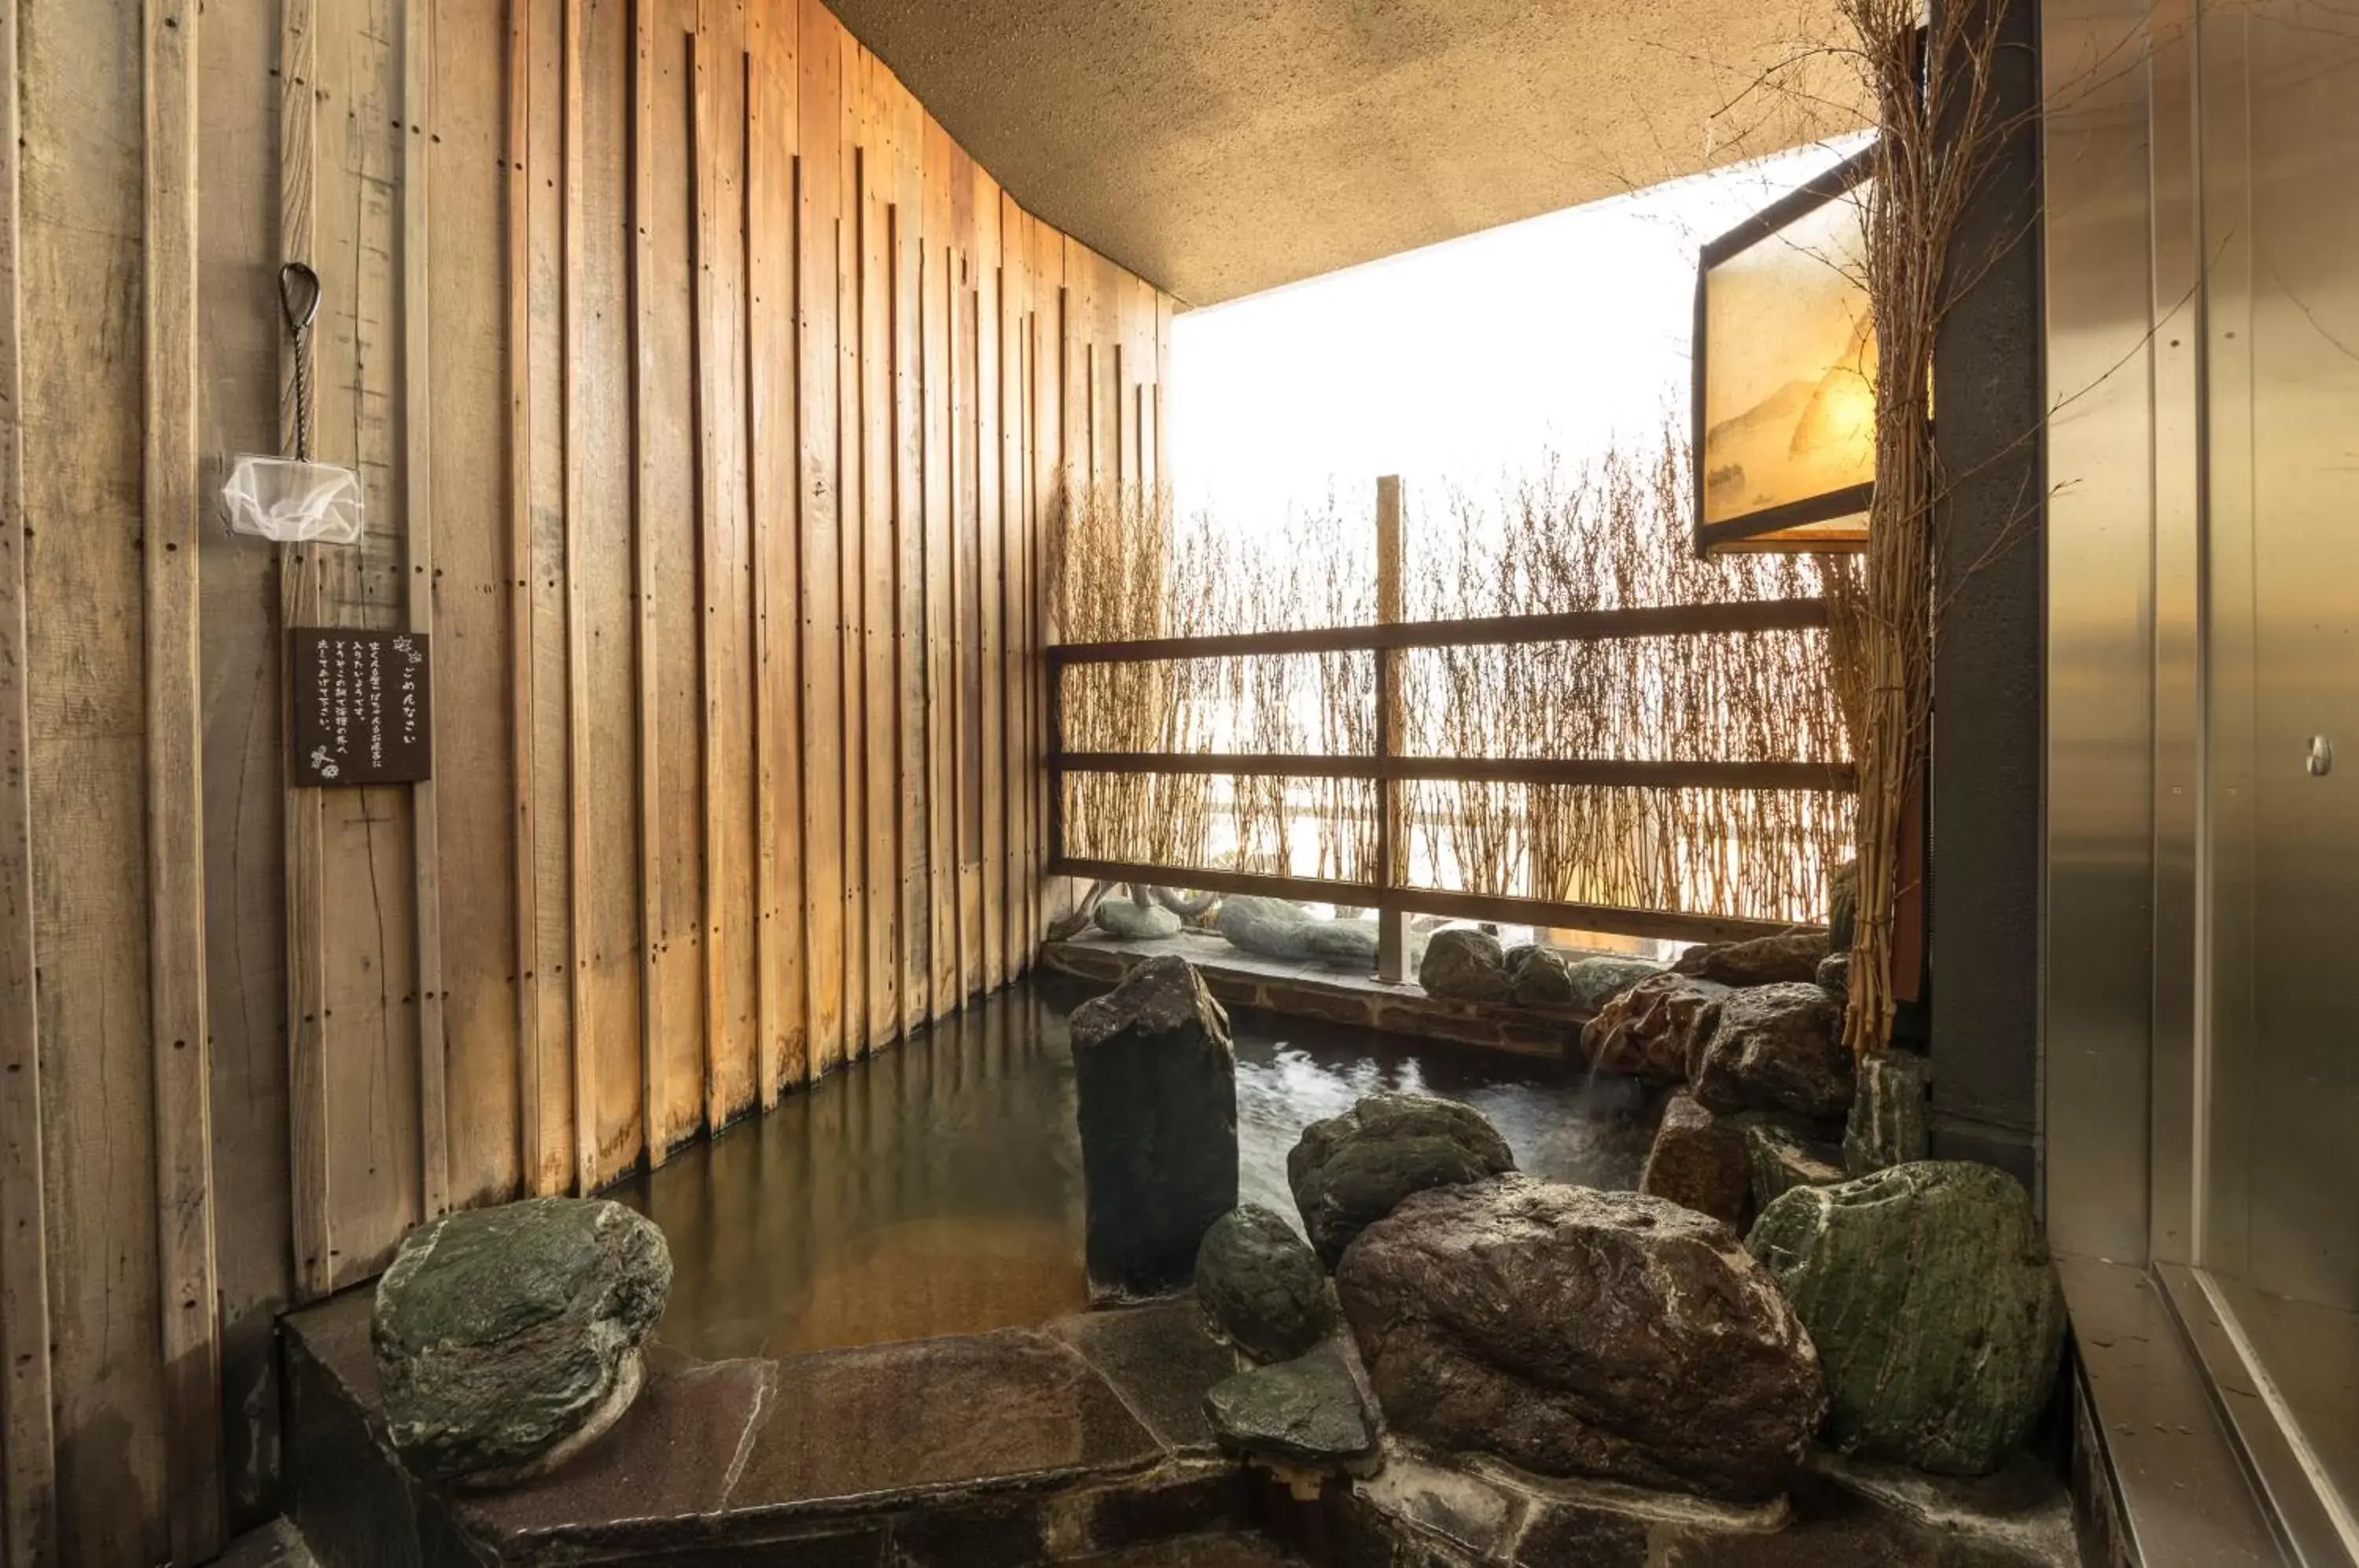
{"type": "Point", "coordinates": [299, 296]}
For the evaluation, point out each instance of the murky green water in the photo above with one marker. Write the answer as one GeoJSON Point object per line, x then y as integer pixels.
{"type": "Point", "coordinates": [937, 1188]}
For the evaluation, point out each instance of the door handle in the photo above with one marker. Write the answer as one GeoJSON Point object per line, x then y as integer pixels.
{"type": "Point", "coordinates": [2321, 760]}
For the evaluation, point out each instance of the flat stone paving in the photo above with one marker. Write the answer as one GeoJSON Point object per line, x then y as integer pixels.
{"type": "Point", "coordinates": [1055, 1445]}
{"type": "Point", "coordinates": [1312, 990]}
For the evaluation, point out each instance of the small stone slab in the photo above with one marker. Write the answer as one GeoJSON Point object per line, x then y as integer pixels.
{"type": "Point", "coordinates": [1160, 1359]}
{"type": "Point", "coordinates": [900, 1420]}
{"type": "Point", "coordinates": [1765, 961]}
{"type": "Point", "coordinates": [1308, 1410]}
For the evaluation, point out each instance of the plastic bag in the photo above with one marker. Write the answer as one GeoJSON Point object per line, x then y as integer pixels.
{"type": "Point", "coordinates": [293, 502]}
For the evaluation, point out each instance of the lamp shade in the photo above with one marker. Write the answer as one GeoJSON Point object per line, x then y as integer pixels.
{"type": "Point", "coordinates": [1784, 374]}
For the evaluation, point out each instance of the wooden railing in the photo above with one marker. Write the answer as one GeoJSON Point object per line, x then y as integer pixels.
{"type": "Point", "coordinates": [1389, 892]}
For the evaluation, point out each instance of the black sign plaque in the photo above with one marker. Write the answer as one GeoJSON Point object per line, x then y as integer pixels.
{"type": "Point", "coordinates": [364, 707]}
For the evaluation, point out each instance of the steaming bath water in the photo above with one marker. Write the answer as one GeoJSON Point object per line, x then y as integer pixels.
{"type": "Point", "coordinates": [936, 1188]}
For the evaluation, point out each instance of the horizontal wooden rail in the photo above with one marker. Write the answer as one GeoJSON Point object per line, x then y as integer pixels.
{"type": "Point", "coordinates": [1826, 776]}
{"type": "Point", "coordinates": [1581, 625]}
{"type": "Point", "coordinates": [1668, 925]}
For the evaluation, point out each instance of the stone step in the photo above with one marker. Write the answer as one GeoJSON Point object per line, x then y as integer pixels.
{"type": "Point", "coordinates": [1065, 1443]}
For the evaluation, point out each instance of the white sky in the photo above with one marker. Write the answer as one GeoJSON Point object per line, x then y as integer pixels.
{"type": "Point", "coordinates": [1459, 363]}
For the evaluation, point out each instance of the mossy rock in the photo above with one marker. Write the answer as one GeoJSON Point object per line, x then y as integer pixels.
{"type": "Point", "coordinates": [1929, 1291]}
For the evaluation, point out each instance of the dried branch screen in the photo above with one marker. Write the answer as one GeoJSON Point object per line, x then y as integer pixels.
{"type": "Point", "coordinates": [1604, 537]}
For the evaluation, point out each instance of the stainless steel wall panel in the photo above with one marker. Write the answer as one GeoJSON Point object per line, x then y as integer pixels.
{"type": "Point", "coordinates": [2099, 964]}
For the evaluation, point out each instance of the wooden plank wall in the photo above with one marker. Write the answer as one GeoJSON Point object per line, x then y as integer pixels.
{"type": "Point", "coordinates": [711, 405]}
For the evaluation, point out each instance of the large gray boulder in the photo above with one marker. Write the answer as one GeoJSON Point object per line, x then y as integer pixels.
{"type": "Point", "coordinates": [1764, 961]}
{"type": "Point", "coordinates": [1269, 927]}
{"type": "Point", "coordinates": [1891, 1112]}
{"type": "Point", "coordinates": [1597, 980]}
{"type": "Point", "coordinates": [1463, 964]}
{"type": "Point", "coordinates": [1135, 921]}
{"type": "Point", "coordinates": [1929, 1293]}
{"type": "Point", "coordinates": [507, 1339]}
{"type": "Point", "coordinates": [1774, 1048]}
{"type": "Point", "coordinates": [1156, 1079]}
{"type": "Point", "coordinates": [1341, 944]}
{"type": "Point", "coordinates": [1652, 1029]}
{"type": "Point", "coordinates": [1578, 1332]}
{"type": "Point", "coordinates": [1539, 978]}
{"type": "Point", "coordinates": [1261, 1286]}
{"type": "Point", "coordinates": [1307, 1411]}
{"type": "Point", "coordinates": [1350, 1171]}
{"type": "Point", "coordinates": [1700, 1161]}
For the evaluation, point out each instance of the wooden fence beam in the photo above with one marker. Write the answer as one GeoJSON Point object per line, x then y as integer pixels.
{"type": "Point", "coordinates": [1579, 625]}
{"type": "Point", "coordinates": [1833, 777]}
{"type": "Point", "coordinates": [1668, 925]}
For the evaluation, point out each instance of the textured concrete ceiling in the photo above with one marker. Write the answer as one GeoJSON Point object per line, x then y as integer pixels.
{"type": "Point", "coordinates": [1219, 148]}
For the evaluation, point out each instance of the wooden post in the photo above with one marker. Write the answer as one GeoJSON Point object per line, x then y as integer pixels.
{"type": "Point", "coordinates": [1392, 828]}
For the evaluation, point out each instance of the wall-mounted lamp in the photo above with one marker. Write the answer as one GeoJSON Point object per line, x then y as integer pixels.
{"type": "Point", "coordinates": [1784, 374]}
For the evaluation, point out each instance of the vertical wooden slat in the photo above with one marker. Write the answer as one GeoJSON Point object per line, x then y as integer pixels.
{"type": "Point", "coordinates": [818, 278]}
{"type": "Point", "coordinates": [467, 592]}
{"type": "Point", "coordinates": [521, 633]}
{"type": "Point", "coordinates": [990, 847]}
{"type": "Point", "coordinates": [307, 962]}
{"type": "Point", "coordinates": [27, 1463]}
{"type": "Point", "coordinates": [669, 486]}
{"type": "Point", "coordinates": [418, 589]}
{"type": "Point", "coordinates": [729, 934]}
{"type": "Point", "coordinates": [84, 208]}
{"type": "Point", "coordinates": [852, 490]}
{"type": "Point", "coordinates": [881, 881]}
{"type": "Point", "coordinates": [772, 372]}
{"type": "Point", "coordinates": [573, 526]}
{"type": "Point", "coordinates": [913, 869]}
{"type": "Point", "coordinates": [647, 685]}
{"type": "Point", "coordinates": [934, 732]}
{"type": "Point", "coordinates": [176, 893]}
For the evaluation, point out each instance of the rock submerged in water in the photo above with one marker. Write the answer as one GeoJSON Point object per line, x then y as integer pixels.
{"type": "Point", "coordinates": [1891, 1112]}
{"type": "Point", "coordinates": [1261, 1286]}
{"type": "Point", "coordinates": [1700, 1162]}
{"type": "Point", "coordinates": [1307, 1410]}
{"type": "Point", "coordinates": [1653, 1028]}
{"type": "Point", "coordinates": [1929, 1293]}
{"type": "Point", "coordinates": [1463, 964]}
{"type": "Point", "coordinates": [1764, 961]}
{"type": "Point", "coordinates": [1774, 1048]}
{"type": "Point", "coordinates": [1155, 1080]}
{"type": "Point", "coordinates": [1135, 921]}
{"type": "Point", "coordinates": [1578, 1333]}
{"type": "Point", "coordinates": [508, 1338]}
{"type": "Point", "coordinates": [1595, 982]}
{"type": "Point", "coordinates": [1350, 1171]}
